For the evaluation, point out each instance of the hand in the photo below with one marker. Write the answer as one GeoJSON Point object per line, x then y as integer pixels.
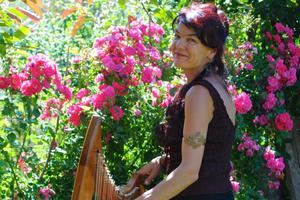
{"type": "Point", "coordinates": [151, 170]}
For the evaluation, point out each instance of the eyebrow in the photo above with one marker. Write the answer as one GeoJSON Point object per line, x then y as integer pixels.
{"type": "Point", "coordinates": [192, 34]}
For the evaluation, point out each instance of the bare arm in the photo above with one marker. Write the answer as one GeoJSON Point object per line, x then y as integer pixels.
{"type": "Point", "coordinates": [198, 114]}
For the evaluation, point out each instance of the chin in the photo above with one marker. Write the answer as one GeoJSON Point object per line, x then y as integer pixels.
{"type": "Point", "coordinates": [180, 65]}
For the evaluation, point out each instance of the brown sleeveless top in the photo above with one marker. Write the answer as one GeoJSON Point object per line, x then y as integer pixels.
{"type": "Point", "coordinates": [215, 167]}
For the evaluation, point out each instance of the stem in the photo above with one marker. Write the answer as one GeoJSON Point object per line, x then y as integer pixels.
{"type": "Point", "coordinates": [49, 151]}
{"type": "Point", "coordinates": [22, 147]}
{"type": "Point", "coordinates": [67, 64]}
{"type": "Point", "coordinates": [150, 20]}
{"type": "Point", "coordinates": [14, 174]}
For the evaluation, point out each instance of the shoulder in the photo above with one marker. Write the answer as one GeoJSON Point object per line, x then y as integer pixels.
{"type": "Point", "coordinates": [198, 98]}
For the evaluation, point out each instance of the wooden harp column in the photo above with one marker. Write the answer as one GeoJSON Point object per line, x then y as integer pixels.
{"type": "Point", "coordinates": [92, 181]}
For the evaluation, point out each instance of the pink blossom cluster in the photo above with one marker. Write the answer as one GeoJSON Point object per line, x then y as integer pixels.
{"type": "Point", "coordinates": [46, 192]}
{"type": "Point", "coordinates": [121, 52]}
{"type": "Point", "coordinates": [168, 98]}
{"type": "Point", "coordinates": [22, 164]}
{"type": "Point", "coordinates": [76, 109]}
{"type": "Point", "coordinates": [105, 98]}
{"type": "Point", "coordinates": [38, 74]}
{"type": "Point", "coordinates": [248, 145]}
{"type": "Point", "coordinates": [232, 89]}
{"type": "Point", "coordinates": [283, 122]}
{"type": "Point", "coordinates": [244, 54]}
{"type": "Point", "coordinates": [242, 103]}
{"type": "Point", "coordinates": [287, 62]}
{"type": "Point", "coordinates": [52, 108]}
{"type": "Point", "coordinates": [76, 59]}
{"type": "Point", "coordinates": [137, 112]}
{"type": "Point", "coordinates": [261, 120]}
{"type": "Point", "coordinates": [120, 56]}
{"type": "Point", "coordinates": [270, 101]}
{"type": "Point", "coordinates": [234, 184]}
{"type": "Point", "coordinates": [116, 112]}
{"type": "Point", "coordinates": [275, 165]}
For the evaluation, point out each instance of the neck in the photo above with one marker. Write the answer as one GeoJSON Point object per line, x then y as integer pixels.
{"type": "Point", "coordinates": [191, 75]}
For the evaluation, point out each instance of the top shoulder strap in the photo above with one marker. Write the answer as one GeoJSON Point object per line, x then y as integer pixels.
{"type": "Point", "coordinates": [218, 101]}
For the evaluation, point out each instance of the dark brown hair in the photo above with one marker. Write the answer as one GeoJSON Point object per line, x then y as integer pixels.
{"type": "Point", "coordinates": [211, 27]}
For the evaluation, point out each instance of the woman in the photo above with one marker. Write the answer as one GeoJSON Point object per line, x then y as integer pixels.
{"type": "Point", "coordinates": [200, 125]}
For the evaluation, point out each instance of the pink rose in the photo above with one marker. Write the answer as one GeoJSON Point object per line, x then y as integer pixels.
{"type": "Point", "coordinates": [269, 36]}
{"type": "Point", "coordinates": [46, 193]}
{"type": "Point", "coordinates": [235, 186]}
{"type": "Point", "coordinates": [291, 76]}
{"type": "Point", "coordinates": [270, 58]}
{"type": "Point", "coordinates": [4, 82]}
{"type": "Point", "coordinates": [49, 69]}
{"type": "Point", "coordinates": [76, 59]}
{"type": "Point", "coordinates": [289, 32]}
{"type": "Point", "coordinates": [277, 38]}
{"type": "Point", "coordinates": [280, 67]}
{"type": "Point", "coordinates": [274, 185]}
{"type": "Point", "coordinates": [154, 53]}
{"type": "Point", "coordinates": [283, 122]}
{"type": "Point", "coordinates": [269, 154]}
{"type": "Point", "coordinates": [273, 83]}
{"type": "Point", "coordinates": [116, 112]}
{"type": "Point", "coordinates": [129, 51]}
{"type": "Point", "coordinates": [279, 27]}
{"type": "Point", "coordinates": [15, 81]}
{"type": "Point", "coordinates": [137, 112]}
{"type": "Point", "coordinates": [31, 87]}
{"type": "Point", "coordinates": [249, 66]}
{"type": "Point", "coordinates": [135, 33]}
{"type": "Point", "coordinates": [243, 103]}
{"type": "Point", "coordinates": [82, 93]}
{"type": "Point", "coordinates": [75, 111]}
{"type": "Point", "coordinates": [270, 101]}
{"type": "Point", "coordinates": [155, 93]}
{"type": "Point", "coordinates": [261, 120]}
{"type": "Point", "coordinates": [147, 75]}
{"type": "Point", "coordinates": [99, 78]}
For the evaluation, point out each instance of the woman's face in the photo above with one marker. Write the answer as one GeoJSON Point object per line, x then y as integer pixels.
{"type": "Point", "coordinates": [188, 51]}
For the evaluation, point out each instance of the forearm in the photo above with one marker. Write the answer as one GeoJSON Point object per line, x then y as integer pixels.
{"type": "Point", "coordinates": [175, 182]}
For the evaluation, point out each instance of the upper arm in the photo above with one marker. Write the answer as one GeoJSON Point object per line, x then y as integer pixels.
{"type": "Point", "coordinates": [198, 113]}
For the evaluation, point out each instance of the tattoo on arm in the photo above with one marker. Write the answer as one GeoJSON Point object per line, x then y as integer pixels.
{"type": "Point", "coordinates": [195, 140]}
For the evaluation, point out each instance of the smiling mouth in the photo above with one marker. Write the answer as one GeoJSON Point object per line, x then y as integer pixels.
{"type": "Point", "coordinates": [179, 55]}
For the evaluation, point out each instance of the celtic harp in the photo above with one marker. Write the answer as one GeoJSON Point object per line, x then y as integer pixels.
{"type": "Point", "coordinates": [93, 181]}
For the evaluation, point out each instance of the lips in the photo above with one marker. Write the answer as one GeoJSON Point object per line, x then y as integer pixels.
{"type": "Point", "coordinates": [177, 54]}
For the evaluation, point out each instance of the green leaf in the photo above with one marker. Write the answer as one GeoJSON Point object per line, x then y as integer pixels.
{"type": "Point", "coordinates": [2, 48]}
{"type": "Point", "coordinates": [36, 112]}
{"type": "Point", "coordinates": [5, 19]}
{"type": "Point", "coordinates": [122, 4]}
{"type": "Point", "coordinates": [11, 137]}
{"type": "Point", "coordinates": [22, 32]}
{"type": "Point", "coordinates": [3, 143]}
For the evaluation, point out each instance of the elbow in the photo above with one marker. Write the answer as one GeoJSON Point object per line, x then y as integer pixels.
{"type": "Point", "coordinates": [194, 177]}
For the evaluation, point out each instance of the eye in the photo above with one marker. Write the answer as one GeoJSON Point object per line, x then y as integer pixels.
{"type": "Point", "coordinates": [191, 40]}
{"type": "Point", "coordinates": [176, 36]}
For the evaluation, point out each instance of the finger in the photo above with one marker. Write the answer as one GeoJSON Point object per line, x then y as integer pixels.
{"type": "Point", "coordinates": [149, 179]}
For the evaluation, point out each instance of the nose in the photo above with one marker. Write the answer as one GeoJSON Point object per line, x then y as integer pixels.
{"type": "Point", "coordinates": [179, 43]}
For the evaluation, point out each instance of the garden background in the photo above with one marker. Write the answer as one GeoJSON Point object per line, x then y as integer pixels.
{"type": "Point", "coordinates": [63, 61]}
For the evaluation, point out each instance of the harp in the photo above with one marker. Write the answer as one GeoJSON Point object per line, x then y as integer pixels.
{"type": "Point", "coordinates": [93, 181]}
